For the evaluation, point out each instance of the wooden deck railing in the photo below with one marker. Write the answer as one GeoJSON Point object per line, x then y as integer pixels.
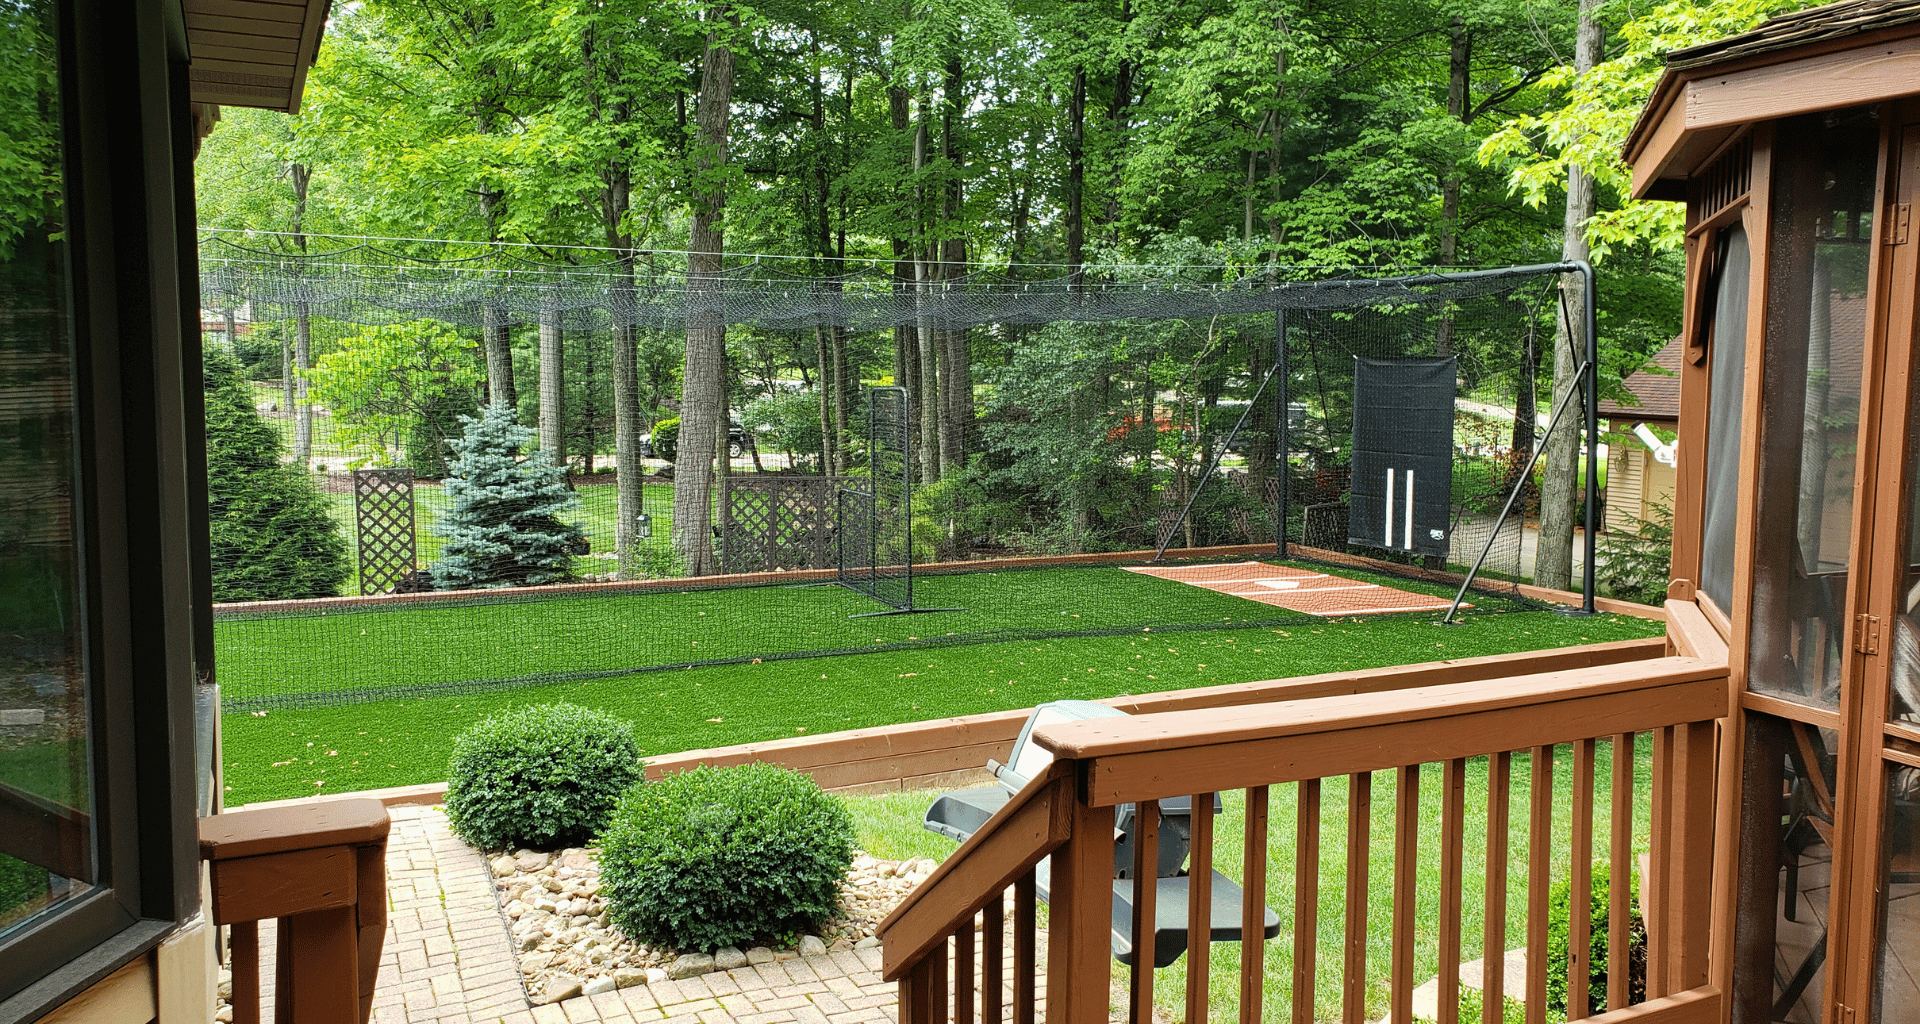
{"type": "Point", "coordinates": [321, 870]}
{"type": "Point", "coordinates": [1654, 720]}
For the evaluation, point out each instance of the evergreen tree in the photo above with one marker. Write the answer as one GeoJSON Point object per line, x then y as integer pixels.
{"type": "Point", "coordinates": [503, 528]}
{"type": "Point", "coordinates": [272, 538]}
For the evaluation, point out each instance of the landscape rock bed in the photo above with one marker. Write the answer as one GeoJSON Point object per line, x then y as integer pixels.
{"type": "Point", "coordinates": [558, 924]}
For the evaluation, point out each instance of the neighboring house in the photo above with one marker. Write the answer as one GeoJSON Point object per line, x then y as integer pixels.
{"type": "Point", "coordinates": [1637, 482]}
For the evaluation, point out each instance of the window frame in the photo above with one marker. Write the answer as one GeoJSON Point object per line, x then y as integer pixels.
{"type": "Point", "coordinates": [127, 169]}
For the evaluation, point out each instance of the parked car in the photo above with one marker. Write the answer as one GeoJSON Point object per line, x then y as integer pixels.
{"type": "Point", "coordinates": [736, 442]}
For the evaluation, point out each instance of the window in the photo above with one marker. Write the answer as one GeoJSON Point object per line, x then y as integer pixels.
{"type": "Point", "coordinates": [1727, 365]}
{"type": "Point", "coordinates": [46, 836]}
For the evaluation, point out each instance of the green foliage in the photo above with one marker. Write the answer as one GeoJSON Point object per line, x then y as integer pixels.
{"type": "Point", "coordinates": [401, 388]}
{"type": "Point", "coordinates": [1559, 909]}
{"type": "Point", "coordinates": [272, 537]}
{"type": "Point", "coordinates": [721, 856]}
{"type": "Point", "coordinates": [502, 525]}
{"type": "Point", "coordinates": [1472, 1009]}
{"type": "Point", "coordinates": [21, 884]}
{"type": "Point", "coordinates": [30, 166]}
{"type": "Point", "coordinates": [666, 439]}
{"type": "Point", "coordinates": [1593, 113]}
{"type": "Point", "coordinates": [1637, 566]}
{"type": "Point", "coordinates": [544, 776]}
{"type": "Point", "coordinates": [789, 420]}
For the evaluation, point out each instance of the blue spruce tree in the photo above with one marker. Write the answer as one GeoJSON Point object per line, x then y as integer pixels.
{"type": "Point", "coordinates": [503, 528]}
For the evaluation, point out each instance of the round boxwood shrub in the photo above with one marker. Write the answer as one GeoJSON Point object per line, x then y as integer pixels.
{"type": "Point", "coordinates": [542, 777]}
{"type": "Point", "coordinates": [666, 439]}
{"type": "Point", "coordinates": [1559, 941]}
{"type": "Point", "coordinates": [718, 857]}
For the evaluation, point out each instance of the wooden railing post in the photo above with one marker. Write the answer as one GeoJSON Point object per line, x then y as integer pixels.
{"type": "Point", "coordinates": [1080, 919]}
{"type": "Point", "coordinates": [1688, 903]}
{"type": "Point", "coordinates": [321, 869]}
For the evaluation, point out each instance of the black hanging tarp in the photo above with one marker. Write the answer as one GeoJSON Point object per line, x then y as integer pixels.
{"type": "Point", "coordinates": [1402, 454]}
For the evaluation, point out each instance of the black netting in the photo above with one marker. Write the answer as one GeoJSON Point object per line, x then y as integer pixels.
{"type": "Point", "coordinates": [1019, 427]}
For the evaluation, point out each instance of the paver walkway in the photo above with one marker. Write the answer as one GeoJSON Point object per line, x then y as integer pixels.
{"type": "Point", "coordinates": [447, 959]}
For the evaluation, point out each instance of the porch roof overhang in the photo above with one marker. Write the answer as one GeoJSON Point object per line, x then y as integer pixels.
{"type": "Point", "coordinates": [252, 53]}
{"type": "Point", "coordinates": [1839, 55]}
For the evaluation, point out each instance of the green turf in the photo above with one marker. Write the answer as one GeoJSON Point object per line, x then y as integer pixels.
{"type": "Point", "coordinates": [288, 753]}
{"type": "Point", "coordinates": [557, 636]}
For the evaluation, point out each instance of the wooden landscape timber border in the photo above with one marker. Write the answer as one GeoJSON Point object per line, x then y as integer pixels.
{"type": "Point", "coordinates": [938, 568]}
{"type": "Point", "coordinates": [952, 752]}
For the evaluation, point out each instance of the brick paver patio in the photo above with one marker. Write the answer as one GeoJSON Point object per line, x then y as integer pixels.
{"type": "Point", "coordinates": [447, 959]}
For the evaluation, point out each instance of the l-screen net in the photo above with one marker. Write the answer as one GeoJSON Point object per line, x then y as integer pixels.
{"type": "Point", "coordinates": [1010, 446]}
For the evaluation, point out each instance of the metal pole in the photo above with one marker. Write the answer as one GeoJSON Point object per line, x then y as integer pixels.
{"type": "Point", "coordinates": [1519, 485]}
{"type": "Point", "coordinates": [1282, 401]}
{"type": "Point", "coordinates": [1592, 396]}
{"type": "Point", "coordinates": [1194, 495]}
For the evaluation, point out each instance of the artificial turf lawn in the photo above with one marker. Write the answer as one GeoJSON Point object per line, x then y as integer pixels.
{"type": "Point", "coordinates": [298, 752]}
{"type": "Point", "coordinates": [555, 636]}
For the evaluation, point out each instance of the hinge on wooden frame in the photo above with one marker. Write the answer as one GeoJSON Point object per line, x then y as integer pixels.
{"type": "Point", "coordinates": [1866, 634]}
{"type": "Point", "coordinates": [1846, 1015]}
{"type": "Point", "coordinates": [1897, 226]}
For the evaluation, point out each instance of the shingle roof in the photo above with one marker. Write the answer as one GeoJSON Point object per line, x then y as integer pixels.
{"type": "Point", "coordinates": [1817, 24]}
{"type": "Point", "coordinates": [1658, 393]}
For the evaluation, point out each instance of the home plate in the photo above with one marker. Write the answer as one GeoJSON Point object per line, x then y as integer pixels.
{"type": "Point", "coordinates": [1300, 590]}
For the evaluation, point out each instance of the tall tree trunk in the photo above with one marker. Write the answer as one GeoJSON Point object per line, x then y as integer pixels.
{"type": "Point", "coordinates": [1077, 176]}
{"type": "Point", "coordinates": [703, 415]}
{"type": "Point", "coordinates": [906, 340]}
{"type": "Point", "coordinates": [1525, 414]}
{"type": "Point", "coordinates": [1459, 81]}
{"type": "Point", "coordinates": [1119, 110]}
{"type": "Point", "coordinates": [956, 389]}
{"type": "Point", "coordinates": [616, 198]}
{"type": "Point", "coordinates": [496, 330]}
{"type": "Point", "coordinates": [829, 444]}
{"type": "Point", "coordinates": [1553, 565]}
{"type": "Point", "coordinates": [1274, 228]}
{"type": "Point", "coordinates": [298, 404]}
{"type": "Point", "coordinates": [924, 274]}
{"type": "Point", "coordinates": [553, 363]}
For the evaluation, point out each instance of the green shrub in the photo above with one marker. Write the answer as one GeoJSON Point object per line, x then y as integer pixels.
{"type": "Point", "coordinates": [1512, 1011]}
{"type": "Point", "coordinates": [1559, 908]}
{"type": "Point", "coordinates": [21, 884]}
{"type": "Point", "coordinates": [544, 776]}
{"type": "Point", "coordinates": [1636, 566]}
{"type": "Point", "coordinates": [722, 856]}
{"type": "Point", "coordinates": [270, 534]}
{"type": "Point", "coordinates": [666, 439]}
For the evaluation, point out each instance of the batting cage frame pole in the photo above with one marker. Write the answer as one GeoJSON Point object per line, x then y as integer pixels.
{"type": "Point", "coordinates": [1201, 485]}
{"type": "Point", "coordinates": [878, 473]}
{"type": "Point", "coordinates": [1283, 402]}
{"type": "Point", "coordinates": [1519, 485]}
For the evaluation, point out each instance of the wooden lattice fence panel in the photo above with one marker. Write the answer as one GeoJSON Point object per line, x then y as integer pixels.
{"type": "Point", "coordinates": [383, 527]}
{"type": "Point", "coordinates": [778, 522]}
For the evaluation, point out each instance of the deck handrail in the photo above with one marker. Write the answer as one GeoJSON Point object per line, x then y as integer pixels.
{"type": "Point", "coordinates": [1031, 826]}
{"type": "Point", "coordinates": [1150, 757]}
{"type": "Point", "coordinates": [1066, 815]}
{"type": "Point", "coordinates": [320, 869]}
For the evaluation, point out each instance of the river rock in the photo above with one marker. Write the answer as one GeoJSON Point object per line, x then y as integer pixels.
{"type": "Point", "coordinates": [689, 965]}
{"type": "Point", "coordinates": [728, 958]}
{"type": "Point", "coordinates": [812, 945]}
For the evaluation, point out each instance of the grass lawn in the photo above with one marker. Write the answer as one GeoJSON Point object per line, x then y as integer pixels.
{"type": "Point", "coordinates": [298, 752]}
{"type": "Point", "coordinates": [561, 636]}
{"type": "Point", "coordinates": [889, 826]}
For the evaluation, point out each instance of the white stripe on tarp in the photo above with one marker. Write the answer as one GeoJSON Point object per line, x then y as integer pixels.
{"type": "Point", "coordinates": [1409, 510]}
{"type": "Point", "coordinates": [1389, 508]}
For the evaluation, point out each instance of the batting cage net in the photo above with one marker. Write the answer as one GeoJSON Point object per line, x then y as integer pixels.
{"type": "Point", "coordinates": [1114, 451]}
